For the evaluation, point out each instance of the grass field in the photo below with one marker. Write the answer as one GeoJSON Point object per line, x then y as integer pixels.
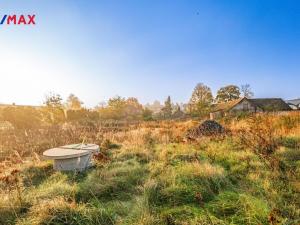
{"type": "Point", "coordinates": [148, 174]}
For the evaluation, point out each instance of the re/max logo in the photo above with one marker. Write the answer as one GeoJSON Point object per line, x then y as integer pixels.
{"type": "Point", "coordinates": [18, 20]}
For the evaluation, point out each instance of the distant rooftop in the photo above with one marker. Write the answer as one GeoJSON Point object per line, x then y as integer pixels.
{"type": "Point", "coordinates": [294, 101]}
{"type": "Point", "coordinates": [266, 104]}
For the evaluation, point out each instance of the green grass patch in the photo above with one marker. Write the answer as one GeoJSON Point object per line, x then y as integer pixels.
{"type": "Point", "coordinates": [119, 180]}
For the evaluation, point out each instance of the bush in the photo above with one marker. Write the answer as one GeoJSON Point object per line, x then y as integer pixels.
{"type": "Point", "coordinates": [260, 136]}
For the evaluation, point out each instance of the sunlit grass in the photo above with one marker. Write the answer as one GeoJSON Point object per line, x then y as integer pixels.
{"type": "Point", "coordinates": [150, 176]}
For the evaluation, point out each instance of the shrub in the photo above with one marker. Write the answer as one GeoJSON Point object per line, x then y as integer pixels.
{"type": "Point", "coordinates": [260, 136]}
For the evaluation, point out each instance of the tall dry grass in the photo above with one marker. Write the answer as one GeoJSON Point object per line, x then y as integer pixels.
{"type": "Point", "coordinates": [149, 175]}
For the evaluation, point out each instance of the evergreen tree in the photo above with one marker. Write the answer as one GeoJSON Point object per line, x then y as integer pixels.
{"type": "Point", "coordinates": [167, 109]}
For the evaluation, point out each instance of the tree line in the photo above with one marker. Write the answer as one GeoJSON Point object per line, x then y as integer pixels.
{"type": "Point", "coordinates": [56, 111]}
{"type": "Point", "coordinates": [202, 98]}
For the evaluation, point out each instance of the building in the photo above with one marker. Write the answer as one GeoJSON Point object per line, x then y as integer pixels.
{"type": "Point", "coordinates": [294, 104]}
{"type": "Point", "coordinates": [249, 105]}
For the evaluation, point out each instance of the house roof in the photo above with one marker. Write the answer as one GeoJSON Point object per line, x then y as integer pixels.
{"type": "Point", "coordinates": [294, 101]}
{"type": "Point", "coordinates": [225, 106]}
{"type": "Point", "coordinates": [270, 104]}
{"type": "Point", "coordinates": [266, 104]}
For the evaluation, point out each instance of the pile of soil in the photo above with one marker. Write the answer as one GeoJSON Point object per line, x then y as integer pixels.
{"type": "Point", "coordinates": [207, 128]}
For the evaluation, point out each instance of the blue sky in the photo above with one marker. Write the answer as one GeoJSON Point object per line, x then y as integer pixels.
{"type": "Point", "coordinates": [149, 49]}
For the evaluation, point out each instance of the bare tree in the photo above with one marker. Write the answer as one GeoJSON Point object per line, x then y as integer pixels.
{"type": "Point", "coordinates": [246, 91]}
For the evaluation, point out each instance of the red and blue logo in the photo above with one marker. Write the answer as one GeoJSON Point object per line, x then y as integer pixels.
{"type": "Point", "coordinates": [17, 20]}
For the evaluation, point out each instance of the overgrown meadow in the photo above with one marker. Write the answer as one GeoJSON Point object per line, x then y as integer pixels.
{"type": "Point", "coordinates": [148, 173]}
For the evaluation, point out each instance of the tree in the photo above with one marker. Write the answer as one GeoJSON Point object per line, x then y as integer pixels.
{"type": "Point", "coordinates": [228, 93]}
{"type": "Point", "coordinates": [54, 112]}
{"type": "Point", "coordinates": [200, 100]}
{"type": "Point", "coordinates": [147, 114]}
{"type": "Point", "coordinates": [120, 108]}
{"type": "Point", "coordinates": [116, 102]}
{"type": "Point", "coordinates": [115, 109]}
{"type": "Point", "coordinates": [155, 107]}
{"type": "Point", "coordinates": [133, 109]}
{"type": "Point", "coordinates": [177, 112]}
{"type": "Point", "coordinates": [134, 104]}
{"type": "Point", "coordinates": [73, 102]}
{"type": "Point", "coordinates": [167, 109]}
{"type": "Point", "coordinates": [53, 100]}
{"type": "Point", "coordinates": [246, 91]}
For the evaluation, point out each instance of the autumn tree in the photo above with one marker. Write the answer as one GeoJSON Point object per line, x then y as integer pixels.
{"type": "Point", "coordinates": [200, 100]}
{"type": "Point", "coordinates": [120, 108]}
{"type": "Point", "coordinates": [228, 93]}
{"type": "Point", "coordinates": [133, 109]}
{"type": "Point", "coordinates": [73, 102]}
{"type": "Point", "coordinates": [246, 91]}
{"type": "Point", "coordinates": [116, 102]}
{"type": "Point", "coordinates": [115, 108]}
